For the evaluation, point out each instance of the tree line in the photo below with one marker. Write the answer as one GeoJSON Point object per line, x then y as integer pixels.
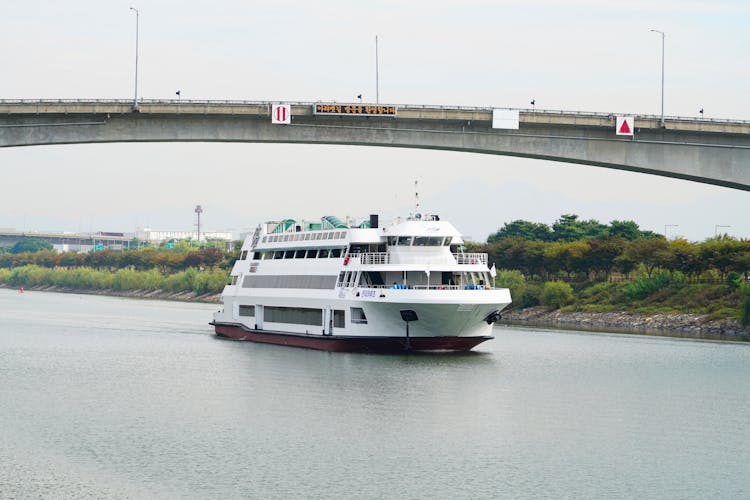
{"type": "Point", "coordinates": [588, 251]}
{"type": "Point", "coordinates": [141, 259]}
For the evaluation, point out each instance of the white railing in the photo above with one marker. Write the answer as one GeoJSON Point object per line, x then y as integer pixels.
{"type": "Point", "coordinates": [379, 258]}
{"type": "Point", "coordinates": [471, 258]}
{"type": "Point", "coordinates": [373, 258]}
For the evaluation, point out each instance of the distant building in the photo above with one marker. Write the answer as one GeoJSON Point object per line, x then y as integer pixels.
{"type": "Point", "coordinates": [151, 235]}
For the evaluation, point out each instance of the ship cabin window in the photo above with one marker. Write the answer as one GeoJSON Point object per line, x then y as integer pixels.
{"type": "Point", "coordinates": [278, 254]}
{"type": "Point", "coordinates": [307, 236]}
{"type": "Point", "coordinates": [448, 241]}
{"type": "Point", "coordinates": [338, 318]}
{"type": "Point", "coordinates": [404, 241]}
{"type": "Point", "coordinates": [234, 280]}
{"type": "Point", "coordinates": [243, 255]}
{"type": "Point", "coordinates": [323, 253]}
{"type": "Point", "coordinates": [257, 255]}
{"type": "Point", "coordinates": [329, 236]}
{"type": "Point", "coordinates": [299, 254]}
{"type": "Point", "coordinates": [311, 254]}
{"type": "Point", "coordinates": [247, 311]}
{"type": "Point", "coordinates": [428, 241]}
{"type": "Point", "coordinates": [265, 239]}
{"type": "Point", "coordinates": [392, 241]}
{"type": "Point", "coordinates": [358, 316]}
{"type": "Point", "coordinates": [336, 253]}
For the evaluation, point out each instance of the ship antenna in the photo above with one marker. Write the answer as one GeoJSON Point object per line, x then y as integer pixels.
{"type": "Point", "coordinates": [416, 197]}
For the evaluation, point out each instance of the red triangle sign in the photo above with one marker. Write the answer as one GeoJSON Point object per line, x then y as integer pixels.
{"type": "Point", "coordinates": [625, 128]}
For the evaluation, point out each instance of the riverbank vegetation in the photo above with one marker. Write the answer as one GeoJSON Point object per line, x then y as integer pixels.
{"type": "Point", "coordinates": [588, 266]}
{"type": "Point", "coordinates": [176, 270]}
{"type": "Point", "coordinates": [573, 265]}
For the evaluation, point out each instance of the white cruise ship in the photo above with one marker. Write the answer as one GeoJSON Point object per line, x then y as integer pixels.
{"type": "Point", "coordinates": [363, 287]}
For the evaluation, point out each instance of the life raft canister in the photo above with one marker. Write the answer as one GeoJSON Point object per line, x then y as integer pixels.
{"type": "Point", "coordinates": [346, 260]}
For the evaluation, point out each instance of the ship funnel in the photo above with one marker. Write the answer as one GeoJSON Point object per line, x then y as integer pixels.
{"type": "Point", "coordinates": [374, 221]}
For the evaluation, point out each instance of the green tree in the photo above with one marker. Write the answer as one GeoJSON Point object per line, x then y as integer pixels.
{"type": "Point", "coordinates": [30, 245]}
{"type": "Point", "coordinates": [522, 229]}
{"type": "Point", "coordinates": [556, 294]}
{"type": "Point", "coordinates": [569, 228]}
{"type": "Point", "coordinates": [649, 252]}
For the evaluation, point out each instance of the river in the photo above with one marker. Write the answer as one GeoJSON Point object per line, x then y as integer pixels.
{"type": "Point", "coordinates": [104, 397]}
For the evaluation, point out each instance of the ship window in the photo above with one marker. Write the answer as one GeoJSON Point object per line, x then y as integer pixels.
{"type": "Point", "coordinates": [286, 237]}
{"type": "Point", "coordinates": [311, 254]}
{"type": "Point", "coordinates": [257, 255]}
{"type": "Point", "coordinates": [338, 318]}
{"type": "Point", "coordinates": [247, 311]}
{"type": "Point", "coordinates": [289, 254]}
{"type": "Point", "coordinates": [357, 315]}
{"type": "Point", "coordinates": [329, 236]}
{"type": "Point", "coordinates": [243, 255]}
{"type": "Point", "coordinates": [234, 280]}
{"type": "Point", "coordinates": [392, 240]}
{"type": "Point", "coordinates": [404, 241]}
{"type": "Point", "coordinates": [323, 253]}
{"type": "Point", "coordinates": [265, 238]}
{"type": "Point", "coordinates": [307, 236]}
{"type": "Point", "coordinates": [448, 241]}
{"type": "Point", "coordinates": [278, 254]}
{"type": "Point", "coordinates": [336, 253]}
{"type": "Point", "coordinates": [293, 315]}
{"type": "Point", "coordinates": [299, 254]}
{"type": "Point", "coordinates": [306, 281]}
{"type": "Point", "coordinates": [427, 241]}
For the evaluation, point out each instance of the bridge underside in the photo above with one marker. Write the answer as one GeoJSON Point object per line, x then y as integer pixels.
{"type": "Point", "coordinates": [707, 157]}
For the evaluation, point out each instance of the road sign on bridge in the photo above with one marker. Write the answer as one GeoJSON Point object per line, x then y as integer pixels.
{"type": "Point", "coordinates": [624, 125]}
{"type": "Point", "coordinates": [281, 114]}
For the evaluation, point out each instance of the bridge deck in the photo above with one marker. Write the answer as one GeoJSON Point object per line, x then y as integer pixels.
{"type": "Point", "coordinates": [407, 112]}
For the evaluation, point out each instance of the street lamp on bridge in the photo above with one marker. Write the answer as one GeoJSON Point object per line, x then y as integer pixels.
{"type": "Point", "coordinates": [662, 74]}
{"type": "Point", "coordinates": [135, 97]}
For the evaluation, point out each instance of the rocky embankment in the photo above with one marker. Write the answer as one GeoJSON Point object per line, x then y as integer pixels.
{"type": "Point", "coordinates": [672, 325]}
{"type": "Point", "coordinates": [137, 294]}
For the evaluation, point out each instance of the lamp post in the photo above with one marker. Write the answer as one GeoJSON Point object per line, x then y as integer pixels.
{"type": "Point", "coordinates": [199, 211]}
{"type": "Point", "coordinates": [135, 97]}
{"type": "Point", "coordinates": [663, 35]}
{"type": "Point", "coordinates": [377, 82]}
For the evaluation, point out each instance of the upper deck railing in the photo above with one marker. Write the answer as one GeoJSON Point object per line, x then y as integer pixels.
{"type": "Point", "coordinates": [380, 258]}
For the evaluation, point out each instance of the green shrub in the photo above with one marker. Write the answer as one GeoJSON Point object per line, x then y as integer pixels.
{"type": "Point", "coordinates": [745, 306]}
{"type": "Point", "coordinates": [734, 279]}
{"type": "Point", "coordinates": [644, 286]}
{"type": "Point", "coordinates": [4, 273]}
{"type": "Point", "coordinates": [556, 294]}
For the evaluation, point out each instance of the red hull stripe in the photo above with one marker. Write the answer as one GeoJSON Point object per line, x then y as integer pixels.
{"type": "Point", "coordinates": [341, 343]}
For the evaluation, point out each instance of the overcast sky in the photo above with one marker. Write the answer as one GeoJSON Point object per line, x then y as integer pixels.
{"type": "Point", "coordinates": [576, 55]}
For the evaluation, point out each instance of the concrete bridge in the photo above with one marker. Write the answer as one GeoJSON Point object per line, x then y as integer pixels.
{"type": "Point", "coordinates": [702, 150]}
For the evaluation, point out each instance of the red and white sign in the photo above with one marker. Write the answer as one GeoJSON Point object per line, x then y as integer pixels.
{"type": "Point", "coordinates": [625, 125]}
{"type": "Point", "coordinates": [281, 114]}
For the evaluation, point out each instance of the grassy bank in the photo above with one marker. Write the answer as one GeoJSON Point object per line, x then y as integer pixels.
{"type": "Point", "coordinates": [85, 278]}
{"type": "Point", "coordinates": [664, 292]}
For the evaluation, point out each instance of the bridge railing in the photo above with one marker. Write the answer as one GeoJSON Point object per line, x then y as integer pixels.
{"type": "Point", "coordinates": [239, 102]}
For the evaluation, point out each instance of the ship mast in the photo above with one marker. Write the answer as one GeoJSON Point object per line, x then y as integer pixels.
{"type": "Point", "coordinates": [416, 197]}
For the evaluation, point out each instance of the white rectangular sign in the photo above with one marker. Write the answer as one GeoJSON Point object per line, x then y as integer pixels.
{"type": "Point", "coordinates": [281, 114]}
{"type": "Point", "coordinates": [624, 125]}
{"type": "Point", "coordinates": [505, 118]}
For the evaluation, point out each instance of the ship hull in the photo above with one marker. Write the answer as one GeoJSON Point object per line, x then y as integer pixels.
{"type": "Point", "coordinates": [349, 343]}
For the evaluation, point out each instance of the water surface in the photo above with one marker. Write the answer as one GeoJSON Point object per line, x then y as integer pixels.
{"type": "Point", "coordinates": [122, 398]}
